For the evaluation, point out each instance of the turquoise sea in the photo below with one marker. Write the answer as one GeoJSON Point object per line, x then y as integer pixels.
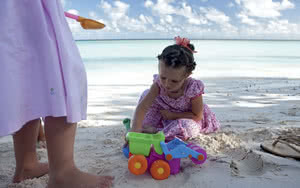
{"type": "Point", "coordinates": [134, 61]}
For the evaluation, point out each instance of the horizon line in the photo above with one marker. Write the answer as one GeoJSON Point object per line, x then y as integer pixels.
{"type": "Point", "coordinates": [189, 38]}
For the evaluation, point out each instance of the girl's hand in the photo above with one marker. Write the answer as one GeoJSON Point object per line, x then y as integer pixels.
{"type": "Point", "coordinates": [166, 114]}
{"type": "Point", "coordinates": [133, 129]}
{"type": "Point", "coordinates": [149, 129]}
{"type": "Point", "coordinates": [138, 130]}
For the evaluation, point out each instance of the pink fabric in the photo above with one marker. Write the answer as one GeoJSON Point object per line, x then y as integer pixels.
{"type": "Point", "coordinates": [181, 128]}
{"type": "Point", "coordinates": [41, 71]}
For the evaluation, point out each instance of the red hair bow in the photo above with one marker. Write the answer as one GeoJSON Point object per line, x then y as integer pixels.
{"type": "Point", "coordinates": [184, 42]}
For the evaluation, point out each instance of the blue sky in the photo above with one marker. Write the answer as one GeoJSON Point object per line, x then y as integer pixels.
{"type": "Point", "coordinates": [220, 19]}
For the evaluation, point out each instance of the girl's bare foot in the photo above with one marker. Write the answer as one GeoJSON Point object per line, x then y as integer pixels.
{"type": "Point", "coordinates": [30, 172]}
{"type": "Point", "coordinates": [77, 179]}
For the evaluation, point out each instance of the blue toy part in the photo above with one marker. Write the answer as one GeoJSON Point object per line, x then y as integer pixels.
{"type": "Point", "coordinates": [174, 143]}
{"type": "Point", "coordinates": [178, 149]}
{"type": "Point", "coordinates": [126, 151]}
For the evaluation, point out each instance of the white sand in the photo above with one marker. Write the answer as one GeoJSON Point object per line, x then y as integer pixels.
{"type": "Point", "coordinates": [250, 110]}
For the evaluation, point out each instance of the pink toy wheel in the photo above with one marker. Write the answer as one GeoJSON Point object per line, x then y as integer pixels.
{"type": "Point", "coordinates": [202, 153]}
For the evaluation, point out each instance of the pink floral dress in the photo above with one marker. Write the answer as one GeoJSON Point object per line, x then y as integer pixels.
{"type": "Point", "coordinates": [181, 128]}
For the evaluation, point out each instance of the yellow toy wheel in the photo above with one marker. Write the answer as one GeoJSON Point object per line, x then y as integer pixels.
{"type": "Point", "coordinates": [137, 164]}
{"type": "Point", "coordinates": [160, 170]}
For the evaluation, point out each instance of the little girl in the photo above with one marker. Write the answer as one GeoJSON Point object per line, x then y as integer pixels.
{"type": "Point", "coordinates": [174, 103]}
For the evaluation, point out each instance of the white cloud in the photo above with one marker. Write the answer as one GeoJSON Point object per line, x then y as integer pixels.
{"type": "Point", "coordinates": [275, 28]}
{"type": "Point", "coordinates": [230, 4]}
{"type": "Point", "coordinates": [259, 18]}
{"type": "Point", "coordinates": [160, 28]}
{"type": "Point", "coordinates": [220, 19]}
{"type": "Point", "coordinates": [264, 8]}
{"type": "Point", "coordinates": [92, 14]}
{"type": "Point", "coordinates": [73, 11]}
{"type": "Point", "coordinates": [163, 7]}
{"type": "Point", "coordinates": [171, 14]}
{"type": "Point", "coordinates": [148, 3]}
{"type": "Point", "coordinates": [263, 18]}
{"type": "Point", "coordinates": [117, 12]}
{"type": "Point", "coordinates": [119, 20]}
{"type": "Point", "coordinates": [286, 4]}
{"type": "Point", "coordinates": [169, 18]}
{"type": "Point", "coordinates": [215, 15]}
{"type": "Point", "coordinates": [192, 17]}
{"type": "Point", "coordinates": [146, 19]}
{"type": "Point", "coordinates": [245, 19]}
{"type": "Point", "coordinates": [282, 26]}
{"type": "Point", "coordinates": [164, 11]}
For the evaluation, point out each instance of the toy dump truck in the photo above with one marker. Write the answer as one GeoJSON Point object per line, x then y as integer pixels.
{"type": "Point", "coordinates": [150, 151]}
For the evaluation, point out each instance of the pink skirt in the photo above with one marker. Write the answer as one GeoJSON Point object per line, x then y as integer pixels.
{"type": "Point", "coordinates": [41, 71]}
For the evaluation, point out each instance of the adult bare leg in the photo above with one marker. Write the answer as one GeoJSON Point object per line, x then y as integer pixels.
{"type": "Point", "coordinates": [27, 163]}
{"type": "Point", "coordinates": [63, 173]}
{"type": "Point", "coordinates": [41, 135]}
{"type": "Point", "coordinates": [41, 140]}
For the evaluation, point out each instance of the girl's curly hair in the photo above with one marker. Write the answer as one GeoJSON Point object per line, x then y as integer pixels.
{"type": "Point", "coordinates": [177, 56]}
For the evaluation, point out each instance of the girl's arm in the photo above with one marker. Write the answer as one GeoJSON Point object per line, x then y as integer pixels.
{"type": "Point", "coordinates": [143, 107]}
{"type": "Point", "coordinates": [197, 108]}
{"type": "Point", "coordinates": [196, 114]}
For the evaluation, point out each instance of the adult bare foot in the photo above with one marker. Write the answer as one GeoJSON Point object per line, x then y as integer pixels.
{"type": "Point", "coordinates": [77, 179]}
{"type": "Point", "coordinates": [30, 172]}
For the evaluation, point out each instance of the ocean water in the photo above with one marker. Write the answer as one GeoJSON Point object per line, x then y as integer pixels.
{"type": "Point", "coordinates": [121, 62]}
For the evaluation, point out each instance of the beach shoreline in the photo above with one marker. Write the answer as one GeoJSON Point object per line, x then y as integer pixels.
{"type": "Point", "coordinates": [251, 110]}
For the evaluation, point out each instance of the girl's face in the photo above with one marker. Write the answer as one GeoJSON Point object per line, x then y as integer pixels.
{"type": "Point", "coordinates": [172, 79]}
